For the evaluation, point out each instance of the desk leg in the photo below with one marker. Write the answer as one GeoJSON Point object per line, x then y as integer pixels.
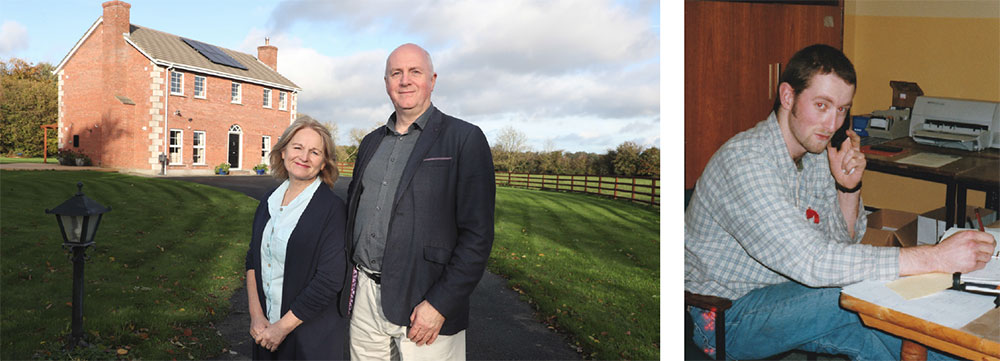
{"type": "Point", "coordinates": [949, 205]}
{"type": "Point", "coordinates": [912, 351]}
{"type": "Point", "coordinates": [993, 200]}
{"type": "Point", "coordinates": [960, 198]}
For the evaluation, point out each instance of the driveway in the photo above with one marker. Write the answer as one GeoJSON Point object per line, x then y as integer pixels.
{"type": "Point", "coordinates": [501, 326]}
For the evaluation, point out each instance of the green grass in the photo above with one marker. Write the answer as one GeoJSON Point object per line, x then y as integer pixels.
{"type": "Point", "coordinates": [589, 265]}
{"type": "Point", "coordinates": [6, 160]}
{"type": "Point", "coordinates": [168, 256]}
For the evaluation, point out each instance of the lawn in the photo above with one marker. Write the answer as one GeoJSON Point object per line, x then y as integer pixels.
{"type": "Point", "coordinates": [9, 160]}
{"type": "Point", "coordinates": [589, 265]}
{"type": "Point", "coordinates": [168, 256]}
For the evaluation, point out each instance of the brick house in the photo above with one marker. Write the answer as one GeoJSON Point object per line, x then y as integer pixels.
{"type": "Point", "coordinates": [128, 94]}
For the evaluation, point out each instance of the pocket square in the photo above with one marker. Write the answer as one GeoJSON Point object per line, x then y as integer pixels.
{"type": "Point", "coordinates": [437, 158]}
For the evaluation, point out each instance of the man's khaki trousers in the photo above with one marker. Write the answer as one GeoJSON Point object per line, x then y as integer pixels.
{"type": "Point", "coordinates": [373, 337]}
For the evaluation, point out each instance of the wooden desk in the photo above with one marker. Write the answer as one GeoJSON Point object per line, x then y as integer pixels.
{"type": "Point", "coordinates": [918, 333]}
{"type": "Point", "coordinates": [975, 170]}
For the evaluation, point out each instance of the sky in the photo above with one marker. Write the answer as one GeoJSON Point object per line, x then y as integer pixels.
{"type": "Point", "coordinates": [572, 75]}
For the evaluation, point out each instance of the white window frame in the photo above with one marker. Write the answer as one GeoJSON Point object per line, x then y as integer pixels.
{"type": "Point", "coordinates": [204, 87]}
{"type": "Point", "coordinates": [265, 149]}
{"type": "Point", "coordinates": [195, 147]}
{"type": "Point", "coordinates": [282, 101]}
{"type": "Point", "coordinates": [178, 146]}
{"type": "Point", "coordinates": [180, 82]}
{"type": "Point", "coordinates": [267, 98]}
{"type": "Point", "coordinates": [237, 95]}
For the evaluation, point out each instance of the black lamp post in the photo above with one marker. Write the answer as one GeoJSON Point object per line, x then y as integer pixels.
{"type": "Point", "coordinates": [78, 219]}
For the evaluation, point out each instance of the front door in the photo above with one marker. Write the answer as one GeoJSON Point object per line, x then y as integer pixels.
{"type": "Point", "coordinates": [234, 150]}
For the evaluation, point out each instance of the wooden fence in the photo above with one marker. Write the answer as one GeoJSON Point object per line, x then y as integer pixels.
{"type": "Point", "coordinates": [345, 168]}
{"type": "Point", "coordinates": [636, 189]}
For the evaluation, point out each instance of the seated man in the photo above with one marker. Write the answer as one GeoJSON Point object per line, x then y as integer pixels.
{"type": "Point", "coordinates": [775, 221]}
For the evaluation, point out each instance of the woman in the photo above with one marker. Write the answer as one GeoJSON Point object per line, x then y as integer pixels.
{"type": "Point", "coordinates": [296, 263]}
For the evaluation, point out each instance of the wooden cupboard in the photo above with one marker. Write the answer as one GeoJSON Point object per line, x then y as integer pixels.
{"type": "Point", "coordinates": [733, 55]}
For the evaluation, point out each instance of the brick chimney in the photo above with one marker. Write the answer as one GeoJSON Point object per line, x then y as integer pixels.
{"type": "Point", "coordinates": [114, 53]}
{"type": "Point", "coordinates": [268, 54]}
{"type": "Point", "coordinates": [114, 48]}
{"type": "Point", "coordinates": [116, 17]}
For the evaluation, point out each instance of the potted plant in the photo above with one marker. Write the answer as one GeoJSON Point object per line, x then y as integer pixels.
{"type": "Point", "coordinates": [66, 157]}
{"type": "Point", "coordinates": [260, 168]}
{"type": "Point", "coordinates": [222, 169]}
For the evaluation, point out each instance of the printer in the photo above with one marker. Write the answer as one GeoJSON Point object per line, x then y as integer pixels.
{"type": "Point", "coordinates": [956, 123]}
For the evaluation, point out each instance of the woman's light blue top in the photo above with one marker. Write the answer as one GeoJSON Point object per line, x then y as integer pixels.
{"type": "Point", "coordinates": [275, 241]}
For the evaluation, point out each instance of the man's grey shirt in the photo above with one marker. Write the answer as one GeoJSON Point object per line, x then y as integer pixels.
{"type": "Point", "coordinates": [379, 184]}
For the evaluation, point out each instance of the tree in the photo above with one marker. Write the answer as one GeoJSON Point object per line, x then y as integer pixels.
{"type": "Point", "coordinates": [357, 135]}
{"type": "Point", "coordinates": [649, 162]}
{"type": "Point", "coordinates": [626, 159]}
{"type": "Point", "coordinates": [509, 149]}
{"type": "Point", "coordinates": [28, 100]}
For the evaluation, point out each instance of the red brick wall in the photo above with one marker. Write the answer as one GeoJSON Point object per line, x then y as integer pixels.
{"type": "Point", "coordinates": [216, 114]}
{"type": "Point", "coordinates": [130, 137]}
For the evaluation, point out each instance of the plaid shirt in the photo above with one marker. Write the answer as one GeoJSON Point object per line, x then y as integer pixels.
{"type": "Point", "coordinates": [746, 225]}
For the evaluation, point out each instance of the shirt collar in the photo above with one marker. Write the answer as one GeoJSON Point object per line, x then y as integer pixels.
{"type": "Point", "coordinates": [420, 123]}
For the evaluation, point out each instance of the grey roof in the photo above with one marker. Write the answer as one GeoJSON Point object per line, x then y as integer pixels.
{"type": "Point", "coordinates": [170, 48]}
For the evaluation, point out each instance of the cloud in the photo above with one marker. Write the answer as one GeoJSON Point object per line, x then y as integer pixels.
{"type": "Point", "coordinates": [555, 69]}
{"type": "Point", "coordinates": [13, 37]}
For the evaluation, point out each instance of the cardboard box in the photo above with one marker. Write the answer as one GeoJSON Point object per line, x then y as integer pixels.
{"type": "Point", "coordinates": [931, 224]}
{"type": "Point", "coordinates": [904, 93]}
{"type": "Point", "coordinates": [891, 228]}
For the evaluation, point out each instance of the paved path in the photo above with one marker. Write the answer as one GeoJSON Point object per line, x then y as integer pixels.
{"type": "Point", "coordinates": [501, 326]}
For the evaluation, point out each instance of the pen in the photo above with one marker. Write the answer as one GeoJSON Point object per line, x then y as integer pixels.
{"type": "Point", "coordinates": [980, 220]}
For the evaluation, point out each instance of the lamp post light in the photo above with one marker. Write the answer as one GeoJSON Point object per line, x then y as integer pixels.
{"type": "Point", "coordinates": [78, 219]}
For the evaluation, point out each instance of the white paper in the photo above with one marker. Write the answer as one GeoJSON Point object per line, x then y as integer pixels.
{"type": "Point", "coordinates": [947, 308]}
{"type": "Point", "coordinates": [932, 160]}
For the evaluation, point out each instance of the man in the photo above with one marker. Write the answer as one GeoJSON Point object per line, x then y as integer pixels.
{"type": "Point", "coordinates": [420, 213]}
{"type": "Point", "coordinates": [775, 221]}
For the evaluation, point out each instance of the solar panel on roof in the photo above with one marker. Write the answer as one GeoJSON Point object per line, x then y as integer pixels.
{"type": "Point", "coordinates": [214, 54]}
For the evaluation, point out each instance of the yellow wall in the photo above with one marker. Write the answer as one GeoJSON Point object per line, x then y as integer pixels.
{"type": "Point", "coordinates": [951, 48]}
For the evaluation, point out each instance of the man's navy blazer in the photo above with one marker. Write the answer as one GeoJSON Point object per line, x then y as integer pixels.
{"type": "Point", "coordinates": [314, 273]}
{"type": "Point", "coordinates": [441, 226]}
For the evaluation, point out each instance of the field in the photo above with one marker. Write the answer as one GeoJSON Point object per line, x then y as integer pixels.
{"type": "Point", "coordinates": [168, 256]}
{"type": "Point", "coordinates": [589, 265]}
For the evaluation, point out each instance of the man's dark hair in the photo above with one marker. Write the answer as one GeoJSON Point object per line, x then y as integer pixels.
{"type": "Point", "coordinates": [812, 60]}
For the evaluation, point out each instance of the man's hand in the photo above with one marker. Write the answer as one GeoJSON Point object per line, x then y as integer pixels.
{"type": "Point", "coordinates": [847, 163]}
{"type": "Point", "coordinates": [425, 323]}
{"type": "Point", "coordinates": [964, 252]}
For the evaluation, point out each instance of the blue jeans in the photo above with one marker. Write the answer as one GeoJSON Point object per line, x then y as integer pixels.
{"type": "Point", "coordinates": [790, 316]}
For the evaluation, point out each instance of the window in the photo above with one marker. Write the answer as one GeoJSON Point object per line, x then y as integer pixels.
{"type": "Point", "coordinates": [267, 98]}
{"type": "Point", "coordinates": [176, 141]}
{"type": "Point", "coordinates": [199, 86]}
{"type": "Point", "coordinates": [199, 148]}
{"type": "Point", "coordinates": [237, 93]}
{"type": "Point", "coordinates": [176, 83]}
{"type": "Point", "coordinates": [265, 149]}
{"type": "Point", "coordinates": [76, 141]}
{"type": "Point", "coordinates": [281, 100]}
